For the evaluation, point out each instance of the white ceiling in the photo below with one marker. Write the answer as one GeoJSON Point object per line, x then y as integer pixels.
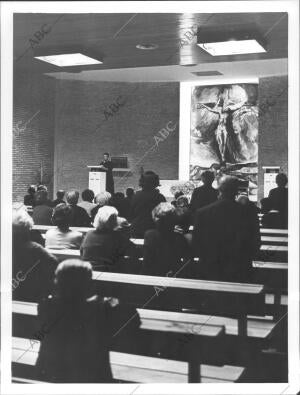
{"type": "Point", "coordinates": [237, 69]}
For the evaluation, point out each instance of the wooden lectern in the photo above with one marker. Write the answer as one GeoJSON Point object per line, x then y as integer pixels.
{"type": "Point", "coordinates": [97, 179]}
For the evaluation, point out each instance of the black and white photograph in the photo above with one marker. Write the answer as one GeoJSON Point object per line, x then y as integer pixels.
{"type": "Point", "coordinates": [150, 197]}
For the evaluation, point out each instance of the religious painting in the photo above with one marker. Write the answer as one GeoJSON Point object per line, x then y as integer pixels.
{"type": "Point", "coordinates": [224, 132]}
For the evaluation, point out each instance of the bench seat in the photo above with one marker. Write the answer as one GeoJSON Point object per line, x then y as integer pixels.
{"type": "Point", "coordinates": [130, 367]}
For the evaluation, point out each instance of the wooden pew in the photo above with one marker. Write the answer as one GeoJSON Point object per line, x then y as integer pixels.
{"type": "Point", "coordinates": [208, 327]}
{"type": "Point", "coordinates": [129, 368]}
{"type": "Point", "coordinates": [275, 253]}
{"type": "Point", "coordinates": [235, 299]}
{"type": "Point", "coordinates": [264, 231]}
{"type": "Point", "coordinates": [277, 232]}
{"type": "Point", "coordinates": [43, 228]}
{"type": "Point", "coordinates": [24, 320]}
{"type": "Point", "coordinates": [277, 240]}
{"type": "Point", "coordinates": [273, 275]}
{"type": "Point", "coordinates": [261, 265]}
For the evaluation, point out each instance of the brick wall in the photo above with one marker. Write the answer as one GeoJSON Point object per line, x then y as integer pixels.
{"type": "Point", "coordinates": [70, 117]}
{"type": "Point", "coordinates": [85, 127]}
{"type": "Point", "coordinates": [273, 126]}
{"type": "Point", "coordinates": [33, 132]}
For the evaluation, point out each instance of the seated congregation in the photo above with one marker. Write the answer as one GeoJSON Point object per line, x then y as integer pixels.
{"type": "Point", "coordinates": [106, 302]}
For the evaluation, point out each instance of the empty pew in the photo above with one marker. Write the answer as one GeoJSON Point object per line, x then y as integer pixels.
{"type": "Point", "coordinates": [235, 299]}
{"type": "Point", "coordinates": [276, 253]}
{"type": "Point", "coordinates": [274, 240]}
{"type": "Point", "coordinates": [277, 232]}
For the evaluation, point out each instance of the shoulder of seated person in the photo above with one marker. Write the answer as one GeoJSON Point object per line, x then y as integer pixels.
{"type": "Point", "coordinates": [35, 245]}
{"type": "Point", "coordinates": [151, 233]}
{"type": "Point", "coordinates": [52, 230]}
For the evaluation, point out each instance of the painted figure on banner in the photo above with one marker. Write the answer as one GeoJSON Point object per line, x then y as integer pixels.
{"type": "Point", "coordinates": [224, 131]}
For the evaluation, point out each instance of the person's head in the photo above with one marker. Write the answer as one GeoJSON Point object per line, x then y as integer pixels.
{"type": "Point", "coordinates": [73, 279]}
{"type": "Point", "coordinates": [72, 197]}
{"type": "Point", "coordinates": [61, 216]}
{"type": "Point", "coordinates": [129, 192]}
{"type": "Point", "coordinates": [281, 180]}
{"type": "Point", "coordinates": [149, 180]}
{"type": "Point", "coordinates": [22, 223]}
{"type": "Point", "coordinates": [41, 197]}
{"type": "Point", "coordinates": [60, 194]}
{"type": "Point", "coordinates": [31, 190]}
{"type": "Point", "coordinates": [106, 156]}
{"type": "Point", "coordinates": [215, 167]}
{"type": "Point", "coordinates": [164, 216]}
{"type": "Point", "coordinates": [102, 198]}
{"type": "Point", "coordinates": [123, 226]}
{"type": "Point", "coordinates": [178, 194]}
{"type": "Point", "coordinates": [243, 200]}
{"type": "Point", "coordinates": [119, 195]}
{"type": "Point", "coordinates": [106, 218]}
{"type": "Point", "coordinates": [265, 205]}
{"type": "Point", "coordinates": [207, 177]}
{"type": "Point", "coordinates": [228, 187]}
{"type": "Point", "coordinates": [182, 201]}
{"type": "Point", "coordinates": [88, 195]}
{"type": "Point", "coordinates": [42, 188]}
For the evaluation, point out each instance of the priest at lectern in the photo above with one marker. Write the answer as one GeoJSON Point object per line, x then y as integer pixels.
{"type": "Point", "coordinates": [107, 166]}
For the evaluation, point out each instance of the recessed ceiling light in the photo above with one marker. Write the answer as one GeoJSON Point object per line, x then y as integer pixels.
{"type": "Point", "coordinates": [232, 47]}
{"type": "Point", "coordinates": [147, 47]}
{"type": "Point", "coordinates": [70, 59]}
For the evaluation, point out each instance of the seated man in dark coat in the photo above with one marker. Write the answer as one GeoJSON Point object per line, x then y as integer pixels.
{"type": "Point", "coordinates": [42, 213]}
{"type": "Point", "coordinates": [225, 238]}
{"type": "Point", "coordinates": [78, 217]}
{"type": "Point", "coordinates": [29, 199]}
{"type": "Point", "coordinates": [206, 194]}
{"type": "Point", "coordinates": [59, 198]}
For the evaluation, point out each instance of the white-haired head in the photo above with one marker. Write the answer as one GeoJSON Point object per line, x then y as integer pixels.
{"type": "Point", "coordinates": [106, 218]}
{"type": "Point", "coordinates": [102, 198]}
{"type": "Point", "coordinates": [22, 224]}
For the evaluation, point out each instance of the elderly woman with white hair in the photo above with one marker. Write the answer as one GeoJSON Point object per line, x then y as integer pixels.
{"type": "Point", "coordinates": [33, 267]}
{"type": "Point", "coordinates": [101, 199]}
{"type": "Point", "coordinates": [107, 245]}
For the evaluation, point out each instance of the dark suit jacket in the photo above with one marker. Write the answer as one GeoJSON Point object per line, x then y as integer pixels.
{"type": "Point", "coordinates": [32, 270]}
{"type": "Point", "coordinates": [163, 252]}
{"type": "Point", "coordinates": [106, 248]}
{"type": "Point", "coordinates": [109, 176]}
{"type": "Point", "coordinates": [79, 217]}
{"type": "Point", "coordinates": [202, 196]}
{"type": "Point", "coordinates": [42, 215]}
{"type": "Point", "coordinates": [142, 204]}
{"type": "Point", "coordinates": [278, 198]}
{"type": "Point", "coordinates": [226, 238]}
